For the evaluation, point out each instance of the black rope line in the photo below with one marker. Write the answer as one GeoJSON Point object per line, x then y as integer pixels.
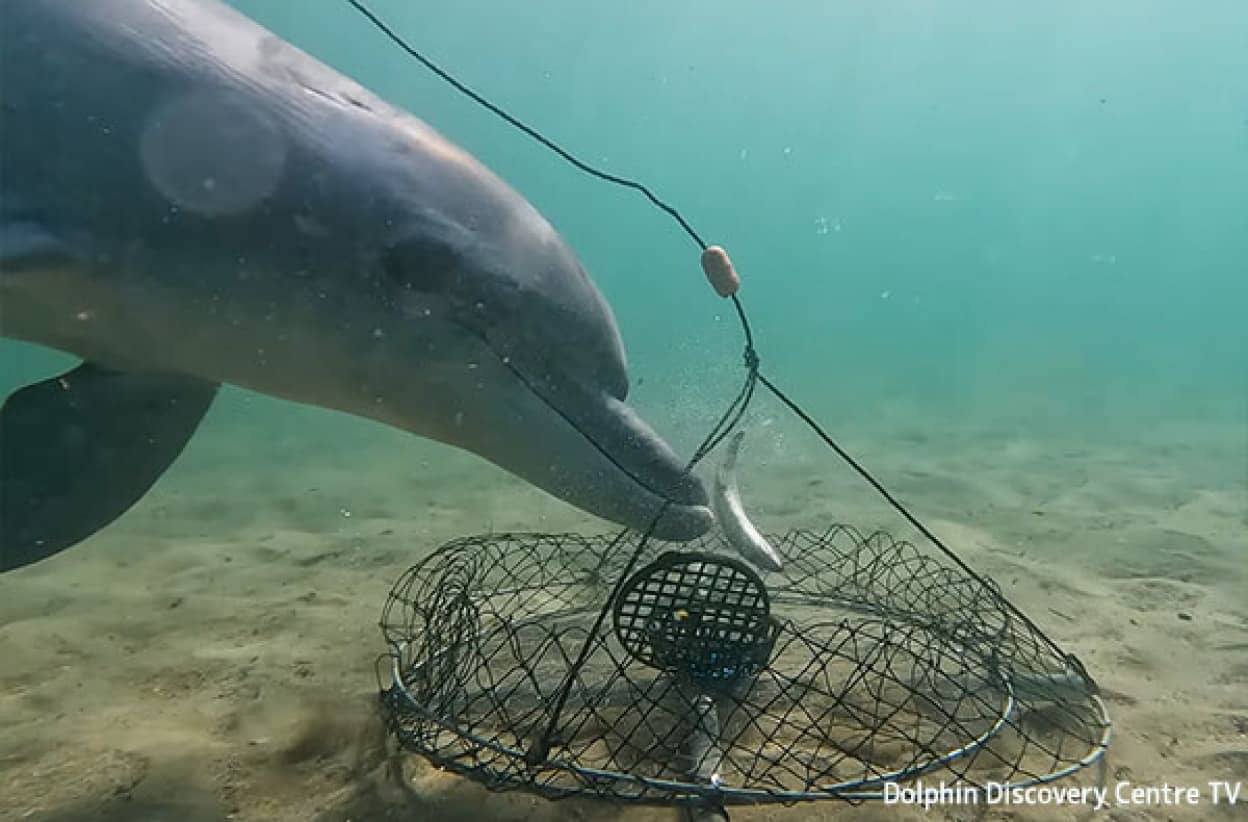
{"type": "Point", "coordinates": [532, 132]}
{"type": "Point", "coordinates": [727, 422]}
{"type": "Point", "coordinates": [896, 504]}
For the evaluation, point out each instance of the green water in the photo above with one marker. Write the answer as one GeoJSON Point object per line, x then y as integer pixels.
{"type": "Point", "coordinates": [1041, 207]}
{"type": "Point", "coordinates": [1033, 212]}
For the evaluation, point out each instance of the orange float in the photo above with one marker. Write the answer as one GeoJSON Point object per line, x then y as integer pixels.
{"type": "Point", "coordinates": [719, 270]}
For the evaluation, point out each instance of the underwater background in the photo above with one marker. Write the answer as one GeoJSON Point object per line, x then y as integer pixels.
{"type": "Point", "coordinates": [1010, 209]}
{"type": "Point", "coordinates": [1000, 250]}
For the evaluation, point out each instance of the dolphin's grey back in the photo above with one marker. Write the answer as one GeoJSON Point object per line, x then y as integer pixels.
{"type": "Point", "coordinates": [103, 129]}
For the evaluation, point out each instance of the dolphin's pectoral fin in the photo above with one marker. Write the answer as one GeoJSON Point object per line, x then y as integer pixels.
{"type": "Point", "coordinates": [76, 451]}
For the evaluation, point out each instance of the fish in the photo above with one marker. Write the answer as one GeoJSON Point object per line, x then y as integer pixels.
{"type": "Point", "coordinates": [730, 514]}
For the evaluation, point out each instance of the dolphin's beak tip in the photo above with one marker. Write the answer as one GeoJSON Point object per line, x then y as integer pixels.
{"type": "Point", "coordinates": [689, 514]}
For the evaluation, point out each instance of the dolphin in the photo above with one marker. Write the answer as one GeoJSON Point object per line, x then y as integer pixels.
{"type": "Point", "coordinates": [187, 200]}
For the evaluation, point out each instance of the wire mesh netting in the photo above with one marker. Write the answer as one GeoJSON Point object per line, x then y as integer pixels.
{"type": "Point", "coordinates": [864, 662]}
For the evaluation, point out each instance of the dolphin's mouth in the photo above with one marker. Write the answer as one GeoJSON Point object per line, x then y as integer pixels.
{"type": "Point", "coordinates": [635, 452]}
{"type": "Point", "coordinates": [601, 456]}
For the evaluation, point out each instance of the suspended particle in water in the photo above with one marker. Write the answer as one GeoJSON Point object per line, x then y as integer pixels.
{"type": "Point", "coordinates": [823, 225]}
{"type": "Point", "coordinates": [884, 295]}
{"type": "Point", "coordinates": [745, 152]}
{"type": "Point", "coordinates": [309, 226]}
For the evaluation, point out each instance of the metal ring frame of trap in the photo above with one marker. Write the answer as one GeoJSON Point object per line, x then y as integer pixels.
{"type": "Point", "coordinates": [883, 665]}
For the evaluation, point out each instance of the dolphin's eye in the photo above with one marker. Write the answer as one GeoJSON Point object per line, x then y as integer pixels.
{"type": "Point", "coordinates": [423, 265]}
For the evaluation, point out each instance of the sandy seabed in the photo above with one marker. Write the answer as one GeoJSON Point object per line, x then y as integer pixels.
{"type": "Point", "coordinates": [210, 656]}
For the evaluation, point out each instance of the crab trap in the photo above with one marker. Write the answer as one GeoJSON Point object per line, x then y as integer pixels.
{"type": "Point", "coordinates": [673, 674]}
{"type": "Point", "coordinates": [542, 663]}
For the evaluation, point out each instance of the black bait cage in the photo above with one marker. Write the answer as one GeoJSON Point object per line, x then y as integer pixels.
{"type": "Point", "coordinates": [863, 662]}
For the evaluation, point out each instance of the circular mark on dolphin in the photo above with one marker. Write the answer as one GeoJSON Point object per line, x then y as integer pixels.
{"type": "Point", "coordinates": [212, 153]}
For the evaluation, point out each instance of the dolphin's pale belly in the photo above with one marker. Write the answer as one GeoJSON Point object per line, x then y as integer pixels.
{"type": "Point", "coordinates": [298, 348]}
{"type": "Point", "coordinates": [131, 321]}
